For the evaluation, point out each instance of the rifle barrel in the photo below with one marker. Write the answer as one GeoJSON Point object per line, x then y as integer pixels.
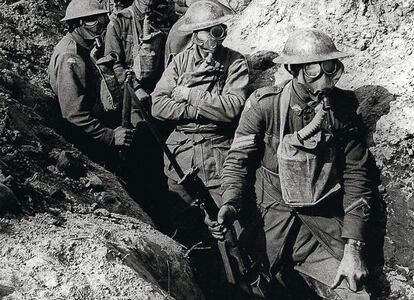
{"type": "Point", "coordinates": [157, 135]}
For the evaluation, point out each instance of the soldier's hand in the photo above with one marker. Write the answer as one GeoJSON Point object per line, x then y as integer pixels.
{"type": "Point", "coordinates": [225, 217]}
{"type": "Point", "coordinates": [181, 93]}
{"type": "Point", "coordinates": [123, 136]}
{"type": "Point", "coordinates": [352, 268]}
{"type": "Point", "coordinates": [216, 230]}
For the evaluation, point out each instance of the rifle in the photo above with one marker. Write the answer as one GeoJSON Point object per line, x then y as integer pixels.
{"type": "Point", "coordinates": [239, 267]}
{"type": "Point", "coordinates": [126, 112]}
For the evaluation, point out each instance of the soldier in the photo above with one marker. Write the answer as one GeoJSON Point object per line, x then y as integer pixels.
{"type": "Point", "coordinates": [135, 40]}
{"type": "Point", "coordinates": [178, 40]}
{"type": "Point", "coordinates": [302, 140]}
{"type": "Point", "coordinates": [74, 80]}
{"type": "Point", "coordinates": [202, 92]}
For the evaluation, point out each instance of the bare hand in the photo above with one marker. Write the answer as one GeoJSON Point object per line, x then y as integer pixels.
{"type": "Point", "coordinates": [181, 93]}
{"type": "Point", "coordinates": [123, 136]}
{"type": "Point", "coordinates": [225, 217]}
{"type": "Point", "coordinates": [352, 268]}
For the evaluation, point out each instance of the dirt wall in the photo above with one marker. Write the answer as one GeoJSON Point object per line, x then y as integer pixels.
{"type": "Point", "coordinates": [73, 232]}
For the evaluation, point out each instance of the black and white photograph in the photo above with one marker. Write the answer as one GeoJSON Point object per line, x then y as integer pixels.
{"type": "Point", "coordinates": [206, 149]}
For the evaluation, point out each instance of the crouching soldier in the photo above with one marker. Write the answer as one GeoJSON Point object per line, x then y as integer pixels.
{"type": "Point", "coordinates": [75, 80]}
{"type": "Point", "coordinates": [202, 92]}
{"type": "Point", "coordinates": [312, 183]}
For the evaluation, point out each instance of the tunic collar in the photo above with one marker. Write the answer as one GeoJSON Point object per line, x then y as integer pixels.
{"type": "Point", "coordinates": [80, 40]}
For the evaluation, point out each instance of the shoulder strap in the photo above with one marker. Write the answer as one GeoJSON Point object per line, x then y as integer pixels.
{"type": "Point", "coordinates": [284, 102]}
{"type": "Point", "coordinates": [135, 34]}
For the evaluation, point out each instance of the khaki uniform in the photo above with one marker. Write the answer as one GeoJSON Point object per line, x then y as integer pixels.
{"type": "Point", "coordinates": [204, 127]}
{"type": "Point", "coordinates": [145, 180]}
{"type": "Point", "coordinates": [206, 122]}
{"type": "Point", "coordinates": [309, 239]}
{"type": "Point", "coordinates": [75, 81]}
{"type": "Point", "coordinates": [119, 44]}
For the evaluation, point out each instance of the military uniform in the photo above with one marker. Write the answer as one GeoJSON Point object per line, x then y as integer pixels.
{"type": "Point", "coordinates": [74, 79]}
{"type": "Point", "coordinates": [309, 239]}
{"type": "Point", "coordinates": [119, 43]}
{"type": "Point", "coordinates": [204, 127]}
{"type": "Point", "coordinates": [179, 40]}
{"type": "Point", "coordinates": [206, 122]}
{"type": "Point", "coordinates": [145, 180]}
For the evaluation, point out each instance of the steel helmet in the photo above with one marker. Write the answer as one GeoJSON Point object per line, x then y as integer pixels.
{"type": "Point", "coordinates": [205, 14]}
{"type": "Point", "coordinates": [309, 45]}
{"type": "Point", "coordinates": [84, 8]}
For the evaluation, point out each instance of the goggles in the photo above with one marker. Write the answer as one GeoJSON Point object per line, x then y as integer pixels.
{"type": "Point", "coordinates": [92, 21]}
{"type": "Point", "coordinates": [211, 39]}
{"type": "Point", "coordinates": [329, 67]}
{"type": "Point", "coordinates": [90, 24]}
{"type": "Point", "coordinates": [217, 32]}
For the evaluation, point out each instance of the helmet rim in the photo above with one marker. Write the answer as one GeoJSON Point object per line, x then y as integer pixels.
{"type": "Point", "coordinates": [205, 14]}
{"type": "Point", "coordinates": [86, 14]}
{"type": "Point", "coordinates": [307, 46]}
{"type": "Point", "coordinates": [298, 59]}
{"type": "Point", "coordinates": [204, 25]}
{"type": "Point", "coordinates": [77, 9]}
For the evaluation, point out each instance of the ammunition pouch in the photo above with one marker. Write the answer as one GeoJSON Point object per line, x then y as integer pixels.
{"type": "Point", "coordinates": [148, 57]}
{"type": "Point", "coordinates": [147, 50]}
{"type": "Point", "coordinates": [110, 91]}
{"type": "Point", "coordinates": [307, 175]}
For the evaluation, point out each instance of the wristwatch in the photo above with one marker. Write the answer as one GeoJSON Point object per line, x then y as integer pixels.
{"type": "Point", "coordinates": [357, 244]}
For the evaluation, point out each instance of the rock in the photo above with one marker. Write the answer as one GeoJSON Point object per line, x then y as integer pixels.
{"type": "Point", "coordinates": [52, 255]}
{"type": "Point", "coordinates": [102, 212]}
{"type": "Point", "coordinates": [92, 258]}
{"type": "Point", "coordinates": [5, 291]}
{"type": "Point", "coordinates": [374, 102]}
{"type": "Point", "coordinates": [94, 182]}
{"type": "Point", "coordinates": [261, 60]}
{"type": "Point", "coordinates": [8, 200]}
{"type": "Point", "coordinates": [261, 69]}
{"type": "Point", "coordinates": [71, 164]}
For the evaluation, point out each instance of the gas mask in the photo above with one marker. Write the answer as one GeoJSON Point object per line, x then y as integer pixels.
{"type": "Point", "coordinates": [145, 6]}
{"type": "Point", "coordinates": [320, 77]}
{"type": "Point", "coordinates": [94, 26]}
{"type": "Point", "coordinates": [210, 39]}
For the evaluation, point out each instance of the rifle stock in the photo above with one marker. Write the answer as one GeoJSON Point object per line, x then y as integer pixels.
{"type": "Point", "coordinates": [126, 104]}
{"type": "Point", "coordinates": [239, 267]}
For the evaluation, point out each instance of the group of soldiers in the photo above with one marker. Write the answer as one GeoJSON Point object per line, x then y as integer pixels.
{"type": "Point", "coordinates": [288, 164]}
